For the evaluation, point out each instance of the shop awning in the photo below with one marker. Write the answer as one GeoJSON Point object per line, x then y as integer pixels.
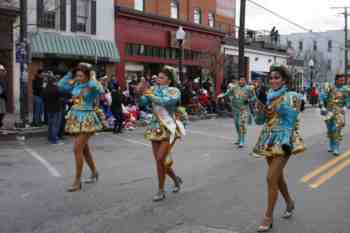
{"type": "Point", "coordinates": [46, 44]}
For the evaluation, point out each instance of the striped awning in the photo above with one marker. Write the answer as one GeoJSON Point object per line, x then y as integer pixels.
{"type": "Point", "coordinates": [48, 44]}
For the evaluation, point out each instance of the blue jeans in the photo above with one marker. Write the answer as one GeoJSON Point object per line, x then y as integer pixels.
{"type": "Point", "coordinates": [54, 122]}
{"type": "Point", "coordinates": [38, 110]}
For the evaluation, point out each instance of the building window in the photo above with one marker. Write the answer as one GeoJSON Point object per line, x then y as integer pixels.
{"type": "Point", "coordinates": [330, 46]}
{"type": "Point", "coordinates": [211, 19]}
{"type": "Point", "coordinates": [301, 45]}
{"type": "Point", "coordinates": [140, 5]}
{"type": "Point", "coordinates": [49, 12]}
{"type": "Point", "coordinates": [174, 9]}
{"type": "Point", "coordinates": [329, 64]}
{"type": "Point", "coordinates": [315, 45]}
{"type": "Point", "coordinates": [289, 44]}
{"type": "Point", "coordinates": [197, 16]}
{"type": "Point", "coordinates": [83, 7]}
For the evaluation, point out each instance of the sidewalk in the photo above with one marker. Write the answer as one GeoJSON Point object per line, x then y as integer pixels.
{"type": "Point", "coordinates": [10, 132]}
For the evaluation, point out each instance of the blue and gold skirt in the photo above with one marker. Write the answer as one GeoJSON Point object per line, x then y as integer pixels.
{"type": "Point", "coordinates": [279, 142]}
{"type": "Point", "coordinates": [82, 121]}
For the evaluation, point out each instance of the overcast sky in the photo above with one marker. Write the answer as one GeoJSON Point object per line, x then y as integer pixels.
{"type": "Point", "coordinates": [312, 14]}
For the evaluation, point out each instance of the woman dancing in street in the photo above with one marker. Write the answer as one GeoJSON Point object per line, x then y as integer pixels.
{"type": "Point", "coordinates": [82, 121]}
{"type": "Point", "coordinates": [279, 139]}
{"type": "Point", "coordinates": [165, 128]}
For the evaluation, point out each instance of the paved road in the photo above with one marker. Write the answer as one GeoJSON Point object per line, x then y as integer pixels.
{"type": "Point", "coordinates": [224, 189]}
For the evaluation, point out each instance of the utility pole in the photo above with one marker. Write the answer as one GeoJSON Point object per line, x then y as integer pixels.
{"type": "Point", "coordinates": [345, 13]}
{"type": "Point", "coordinates": [23, 51]}
{"type": "Point", "coordinates": [241, 40]}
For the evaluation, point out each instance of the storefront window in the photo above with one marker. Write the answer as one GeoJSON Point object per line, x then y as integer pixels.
{"type": "Point", "coordinates": [135, 49]}
{"type": "Point", "coordinates": [148, 51]}
{"type": "Point", "coordinates": [174, 9]}
{"type": "Point", "coordinates": [168, 53]}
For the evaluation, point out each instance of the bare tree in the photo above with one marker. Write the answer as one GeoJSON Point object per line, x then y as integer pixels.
{"type": "Point", "coordinates": [213, 62]}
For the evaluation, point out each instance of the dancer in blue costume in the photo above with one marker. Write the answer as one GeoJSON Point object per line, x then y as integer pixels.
{"type": "Point", "coordinates": [279, 139]}
{"type": "Point", "coordinates": [333, 101]}
{"type": "Point", "coordinates": [82, 121]}
{"type": "Point", "coordinates": [165, 127]}
{"type": "Point", "coordinates": [242, 97]}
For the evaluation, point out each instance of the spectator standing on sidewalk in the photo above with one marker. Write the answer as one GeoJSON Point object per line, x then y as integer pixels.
{"type": "Point", "coordinates": [3, 96]}
{"type": "Point", "coordinates": [116, 108]}
{"type": "Point", "coordinates": [53, 102]}
{"type": "Point", "coordinates": [38, 109]}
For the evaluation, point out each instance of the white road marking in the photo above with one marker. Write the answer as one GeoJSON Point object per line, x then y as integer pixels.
{"type": "Point", "coordinates": [44, 162]}
{"type": "Point", "coordinates": [209, 135]}
{"type": "Point", "coordinates": [134, 141]}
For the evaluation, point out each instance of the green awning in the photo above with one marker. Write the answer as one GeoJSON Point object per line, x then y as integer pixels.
{"type": "Point", "coordinates": [47, 44]}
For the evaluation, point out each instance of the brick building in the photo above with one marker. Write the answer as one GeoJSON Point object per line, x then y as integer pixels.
{"type": "Point", "coordinates": [219, 14]}
{"type": "Point", "coordinates": [145, 34]}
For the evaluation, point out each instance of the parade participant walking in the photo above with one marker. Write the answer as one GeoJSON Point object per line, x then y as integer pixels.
{"type": "Point", "coordinates": [279, 139]}
{"type": "Point", "coordinates": [165, 127]}
{"type": "Point", "coordinates": [242, 95]}
{"type": "Point", "coordinates": [82, 120]}
{"type": "Point", "coordinates": [333, 101]}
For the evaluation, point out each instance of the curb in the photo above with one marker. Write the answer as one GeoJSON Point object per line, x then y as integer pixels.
{"type": "Point", "coordinates": [23, 134]}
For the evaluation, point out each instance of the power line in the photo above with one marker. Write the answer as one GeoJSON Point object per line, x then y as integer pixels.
{"type": "Point", "coordinates": [292, 22]}
{"type": "Point", "coordinates": [279, 16]}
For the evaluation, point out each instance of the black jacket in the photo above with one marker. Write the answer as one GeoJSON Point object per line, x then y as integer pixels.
{"type": "Point", "coordinates": [38, 87]}
{"type": "Point", "coordinates": [117, 100]}
{"type": "Point", "coordinates": [53, 99]}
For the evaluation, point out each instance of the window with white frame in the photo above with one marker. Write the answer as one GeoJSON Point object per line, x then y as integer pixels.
{"type": "Point", "coordinates": [139, 5]}
{"type": "Point", "coordinates": [174, 9]}
{"type": "Point", "coordinates": [211, 19]}
{"type": "Point", "coordinates": [83, 15]}
{"type": "Point", "coordinates": [197, 16]}
{"type": "Point", "coordinates": [49, 14]}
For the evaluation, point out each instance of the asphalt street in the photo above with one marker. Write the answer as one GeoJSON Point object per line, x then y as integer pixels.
{"type": "Point", "coordinates": [224, 187]}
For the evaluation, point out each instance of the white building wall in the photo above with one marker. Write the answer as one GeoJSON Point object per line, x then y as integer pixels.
{"type": "Point", "coordinates": [336, 55]}
{"type": "Point", "coordinates": [259, 61]}
{"type": "Point", "coordinates": [105, 20]}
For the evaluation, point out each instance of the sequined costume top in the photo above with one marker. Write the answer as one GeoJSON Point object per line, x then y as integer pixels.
{"type": "Point", "coordinates": [333, 101]}
{"type": "Point", "coordinates": [82, 117]}
{"type": "Point", "coordinates": [279, 135]}
{"type": "Point", "coordinates": [334, 98]}
{"type": "Point", "coordinates": [240, 97]}
{"type": "Point", "coordinates": [167, 98]}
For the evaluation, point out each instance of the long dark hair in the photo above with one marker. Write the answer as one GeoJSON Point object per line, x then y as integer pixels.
{"type": "Point", "coordinates": [284, 72]}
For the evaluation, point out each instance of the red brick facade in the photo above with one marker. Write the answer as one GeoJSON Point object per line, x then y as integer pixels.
{"type": "Point", "coordinates": [156, 32]}
{"type": "Point", "coordinates": [186, 7]}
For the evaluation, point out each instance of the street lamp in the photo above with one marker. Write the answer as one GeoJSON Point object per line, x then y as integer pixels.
{"type": "Point", "coordinates": [180, 37]}
{"type": "Point", "coordinates": [311, 65]}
